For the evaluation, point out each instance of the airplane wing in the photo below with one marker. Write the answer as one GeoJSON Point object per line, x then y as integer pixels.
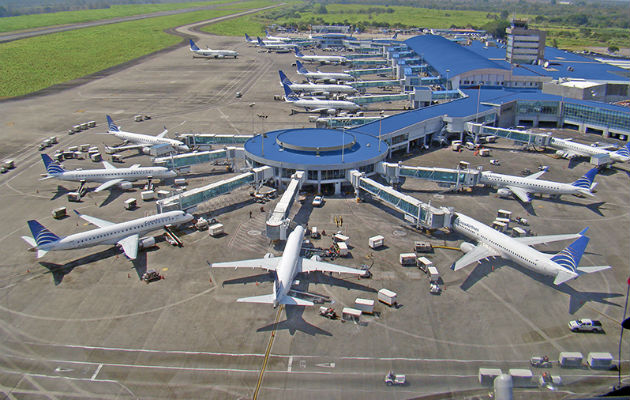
{"type": "Point", "coordinates": [536, 175]}
{"type": "Point", "coordinates": [308, 265]}
{"type": "Point", "coordinates": [521, 193]}
{"type": "Point", "coordinates": [478, 253]}
{"type": "Point", "coordinates": [127, 147]}
{"type": "Point", "coordinates": [130, 246]}
{"type": "Point", "coordinates": [108, 165]}
{"type": "Point", "coordinates": [95, 221]}
{"type": "Point", "coordinates": [109, 184]}
{"type": "Point", "coordinates": [269, 264]}
{"type": "Point", "coordinates": [161, 135]}
{"type": "Point", "coordinates": [533, 240]}
{"type": "Point", "coordinates": [135, 166]}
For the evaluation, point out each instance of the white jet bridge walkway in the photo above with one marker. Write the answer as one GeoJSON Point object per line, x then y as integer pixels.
{"type": "Point", "coordinates": [278, 222]}
{"type": "Point", "coordinates": [378, 84]}
{"type": "Point", "coordinates": [186, 160]}
{"type": "Point", "coordinates": [421, 215]}
{"type": "Point", "coordinates": [190, 199]}
{"type": "Point", "coordinates": [532, 139]}
{"type": "Point", "coordinates": [378, 98]}
{"type": "Point", "coordinates": [456, 178]}
{"type": "Point", "coordinates": [205, 141]}
{"type": "Point", "coordinates": [371, 71]}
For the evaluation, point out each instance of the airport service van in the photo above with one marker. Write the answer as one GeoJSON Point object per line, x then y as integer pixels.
{"type": "Point", "coordinates": [376, 241]}
{"type": "Point", "coordinates": [599, 360]}
{"type": "Point", "coordinates": [434, 275]}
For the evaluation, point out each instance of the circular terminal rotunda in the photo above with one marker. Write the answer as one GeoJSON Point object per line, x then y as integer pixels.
{"type": "Point", "coordinates": [325, 155]}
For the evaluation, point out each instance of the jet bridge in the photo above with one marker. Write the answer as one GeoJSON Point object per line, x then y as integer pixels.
{"type": "Point", "coordinates": [278, 222]}
{"type": "Point", "coordinates": [372, 84]}
{"type": "Point", "coordinates": [186, 160]}
{"type": "Point", "coordinates": [456, 178]}
{"type": "Point", "coordinates": [364, 62]}
{"type": "Point", "coordinates": [533, 139]}
{"type": "Point", "coordinates": [421, 215]}
{"type": "Point", "coordinates": [378, 98]}
{"type": "Point", "coordinates": [371, 71]}
{"type": "Point", "coordinates": [205, 141]}
{"type": "Point", "coordinates": [190, 199]}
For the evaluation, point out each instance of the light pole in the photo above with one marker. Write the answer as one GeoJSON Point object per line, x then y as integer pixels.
{"type": "Point", "coordinates": [624, 325]}
{"type": "Point", "coordinates": [447, 71]}
{"type": "Point", "coordinates": [343, 141]}
{"type": "Point", "coordinates": [379, 131]}
{"type": "Point", "coordinates": [262, 133]}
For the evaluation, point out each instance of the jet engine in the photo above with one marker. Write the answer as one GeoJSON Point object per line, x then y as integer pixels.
{"type": "Point", "coordinates": [503, 192]}
{"type": "Point", "coordinates": [147, 242]}
{"type": "Point", "coordinates": [561, 153]}
{"type": "Point", "coordinates": [269, 255]}
{"type": "Point", "coordinates": [467, 247]}
{"type": "Point", "coordinates": [331, 111]}
{"type": "Point", "coordinates": [146, 150]}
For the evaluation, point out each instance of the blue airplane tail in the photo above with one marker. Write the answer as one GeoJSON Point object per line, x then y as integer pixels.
{"type": "Point", "coordinates": [624, 151]}
{"type": "Point", "coordinates": [260, 42]}
{"type": "Point", "coordinates": [41, 234]}
{"type": "Point", "coordinates": [111, 125]}
{"type": "Point", "coordinates": [248, 38]}
{"type": "Point", "coordinates": [52, 167]}
{"type": "Point", "coordinates": [284, 80]}
{"type": "Point", "coordinates": [586, 181]}
{"type": "Point", "coordinates": [395, 36]}
{"type": "Point", "coordinates": [571, 255]}
{"type": "Point", "coordinates": [288, 93]}
{"type": "Point", "coordinates": [301, 68]}
{"type": "Point", "coordinates": [298, 53]}
{"type": "Point", "coordinates": [193, 46]}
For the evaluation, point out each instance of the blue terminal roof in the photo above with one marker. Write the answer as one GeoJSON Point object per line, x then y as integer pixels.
{"type": "Point", "coordinates": [560, 61]}
{"type": "Point", "coordinates": [488, 98]}
{"type": "Point", "coordinates": [445, 54]}
{"type": "Point", "coordinates": [365, 147]}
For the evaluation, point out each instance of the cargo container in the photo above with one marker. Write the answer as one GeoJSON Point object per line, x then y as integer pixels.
{"type": "Point", "coordinates": [599, 360]}
{"type": "Point", "coordinates": [338, 237]}
{"type": "Point", "coordinates": [180, 181]}
{"type": "Point", "coordinates": [74, 196]}
{"type": "Point", "coordinates": [365, 305]}
{"type": "Point", "coordinates": [130, 204]}
{"type": "Point", "coordinates": [376, 241]}
{"type": "Point", "coordinates": [569, 359]}
{"type": "Point", "coordinates": [84, 126]}
{"type": "Point", "coordinates": [147, 195]}
{"type": "Point", "coordinates": [423, 247]}
{"type": "Point", "coordinates": [96, 157]}
{"type": "Point", "coordinates": [350, 314]}
{"type": "Point", "coordinates": [424, 263]}
{"type": "Point", "coordinates": [91, 124]}
{"type": "Point", "coordinates": [522, 377]}
{"type": "Point", "coordinates": [125, 185]}
{"type": "Point", "coordinates": [53, 140]}
{"type": "Point", "coordinates": [434, 275]}
{"type": "Point", "coordinates": [215, 230]}
{"type": "Point", "coordinates": [487, 375]}
{"type": "Point", "coordinates": [59, 213]}
{"type": "Point", "coordinates": [315, 234]}
{"type": "Point", "coordinates": [343, 249]}
{"type": "Point", "coordinates": [388, 297]}
{"type": "Point", "coordinates": [504, 214]}
{"type": "Point", "coordinates": [407, 259]}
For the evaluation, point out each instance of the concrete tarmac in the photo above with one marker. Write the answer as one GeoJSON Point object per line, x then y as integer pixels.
{"type": "Point", "coordinates": [80, 324]}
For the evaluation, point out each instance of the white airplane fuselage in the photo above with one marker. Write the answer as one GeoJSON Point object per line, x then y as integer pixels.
{"type": "Point", "coordinates": [287, 268]}
{"type": "Point", "coordinates": [148, 140]}
{"type": "Point", "coordinates": [324, 59]}
{"type": "Point", "coordinates": [529, 184]}
{"type": "Point", "coordinates": [315, 104]}
{"type": "Point", "coordinates": [318, 88]}
{"type": "Point", "coordinates": [328, 76]}
{"type": "Point", "coordinates": [508, 248]}
{"type": "Point", "coordinates": [214, 53]}
{"type": "Point", "coordinates": [585, 150]}
{"type": "Point", "coordinates": [110, 235]}
{"type": "Point", "coordinates": [105, 175]}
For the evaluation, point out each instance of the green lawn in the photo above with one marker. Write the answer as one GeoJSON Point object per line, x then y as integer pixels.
{"type": "Point", "coordinates": [21, 22]}
{"type": "Point", "coordinates": [36, 63]}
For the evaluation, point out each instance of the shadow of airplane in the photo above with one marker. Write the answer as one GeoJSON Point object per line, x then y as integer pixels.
{"type": "Point", "coordinates": [294, 322]}
{"type": "Point", "coordinates": [59, 271]}
{"type": "Point", "coordinates": [61, 191]}
{"type": "Point", "coordinates": [113, 195]}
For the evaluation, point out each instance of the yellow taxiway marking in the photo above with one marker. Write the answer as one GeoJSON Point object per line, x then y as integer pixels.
{"type": "Point", "coordinates": [264, 365]}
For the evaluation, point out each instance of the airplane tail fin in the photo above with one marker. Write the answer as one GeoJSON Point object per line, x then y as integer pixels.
{"type": "Point", "coordinates": [288, 93]}
{"type": "Point", "coordinates": [193, 46]}
{"type": "Point", "coordinates": [260, 42]}
{"type": "Point", "coordinates": [624, 151]}
{"type": "Point", "coordinates": [248, 38]}
{"type": "Point", "coordinates": [52, 167]}
{"type": "Point", "coordinates": [284, 80]}
{"type": "Point", "coordinates": [569, 259]}
{"type": "Point", "coordinates": [300, 68]}
{"type": "Point", "coordinates": [41, 236]}
{"type": "Point", "coordinates": [111, 125]}
{"type": "Point", "coordinates": [395, 36]}
{"type": "Point", "coordinates": [298, 53]}
{"type": "Point", "coordinates": [586, 181]}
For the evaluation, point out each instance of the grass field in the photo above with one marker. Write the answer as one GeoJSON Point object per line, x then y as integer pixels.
{"type": "Point", "coordinates": [72, 17]}
{"type": "Point", "coordinates": [32, 64]}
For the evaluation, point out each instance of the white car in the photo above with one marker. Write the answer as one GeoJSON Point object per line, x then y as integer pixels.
{"type": "Point", "coordinates": [586, 325]}
{"type": "Point", "coordinates": [318, 201]}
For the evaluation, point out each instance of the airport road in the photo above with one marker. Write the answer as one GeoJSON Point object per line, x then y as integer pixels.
{"type": "Point", "coordinates": [79, 324]}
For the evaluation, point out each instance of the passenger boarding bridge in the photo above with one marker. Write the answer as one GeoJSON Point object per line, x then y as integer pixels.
{"type": "Point", "coordinates": [379, 98]}
{"type": "Point", "coordinates": [278, 222]}
{"type": "Point", "coordinates": [533, 139]}
{"type": "Point", "coordinates": [371, 71]}
{"type": "Point", "coordinates": [421, 215]}
{"type": "Point", "coordinates": [455, 178]}
{"type": "Point", "coordinates": [372, 84]}
{"type": "Point", "coordinates": [205, 141]}
{"type": "Point", "coordinates": [185, 161]}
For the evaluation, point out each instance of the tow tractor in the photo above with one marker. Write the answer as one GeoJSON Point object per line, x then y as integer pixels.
{"type": "Point", "coordinates": [151, 276]}
{"type": "Point", "coordinates": [540, 362]}
{"type": "Point", "coordinates": [392, 379]}
{"type": "Point", "coordinates": [327, 312]}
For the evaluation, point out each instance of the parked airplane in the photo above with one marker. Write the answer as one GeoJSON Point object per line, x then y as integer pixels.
{"type": "Point", "coordinates": [569, 149]}
{"type": "Point", "coordinates": [110, 175]}
{"type": "Point", "coordinates": [522, 187]}
{"type": "Point", "coordinates": [315, 88]}
{"type": "Point", "coordinates": [250, 40]}
{"type": "Point", "coordinates": [286, 268]}
{"type": "Point", "coordinates": [321, 59]}
{"type": "Point", "coordinates": [317, 105]}
{"type": "Point", "coordinates": [323, 76]}
{"type": "Point", "coordinates": [141, 141]}
{"type": "Point", "coordinates": [278, 47]}
{"type": "Point", "coordinates": [211, 53]}
{"type": "Point", "coordinates": [277, 38]}
{"type": "Point", "coordinates": [128, 235]}
{"type": "Point", "coordinates": [491, 243]}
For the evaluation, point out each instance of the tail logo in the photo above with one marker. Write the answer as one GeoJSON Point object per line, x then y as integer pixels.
{"type": "Point", "coordinates": [111, 125]}
{"type": "Point", "coordinates": [41, 235]}
{"type": "Point", "coordinates": [586, 181]}
{"type": "Point", "coordinates": [52, 167]}
{"type": "Point", "coordinates": [624, 151]}
{"type": "Point", "coordinates": [569, 258]}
